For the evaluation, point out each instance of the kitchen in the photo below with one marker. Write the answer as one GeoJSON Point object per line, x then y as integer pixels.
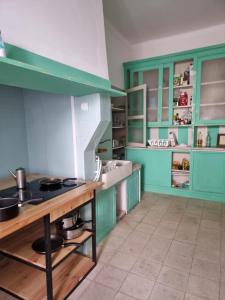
{"type": "Point", "coordinates": [51, 76]}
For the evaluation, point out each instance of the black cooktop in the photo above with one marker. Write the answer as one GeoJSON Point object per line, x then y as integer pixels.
{"type": "Point", "coordinates": [36, 194]}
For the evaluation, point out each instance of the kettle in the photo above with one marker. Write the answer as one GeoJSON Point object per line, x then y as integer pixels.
{"type": "Point", "coordinates": [20, 177]}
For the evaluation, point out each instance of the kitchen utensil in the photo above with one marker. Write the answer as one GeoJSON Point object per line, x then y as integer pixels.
{"type": "Point", "coordinates": [20, 177]}
{"type": "Point", "coordinates": [73, 231]}
{"type": "Point", "coordinates": [55, 182]}
{"type": "Point", "coordinates": [57, 242]}
{"type": "Point", "coordinates": [69, 220]}
{"type": "Point", "coordinates": [8, 208]}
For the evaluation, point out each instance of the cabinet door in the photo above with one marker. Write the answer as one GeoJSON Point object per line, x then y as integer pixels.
{"type": "Point", "coordinates": [156, 166]}
{"type": "Point", "coordinates": [132, 190]}
{"type": "Point", "coordinates": [136, 116]}
{"type": "Point", "coordinates": [105, 212]}
{"type": "Point", "coordinates": [211, 90]}
{"type": "Point", "coordinates": [208, 173]}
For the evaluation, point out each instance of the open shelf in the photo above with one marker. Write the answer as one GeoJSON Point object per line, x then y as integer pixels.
{"type": "Point", "coordinates": [213, 82]}
{"type": "Point", "coordinates": [182, 86]}
{"type": "Point", "coordinates": [180, 172]}
{"type": "Point", "coordinates": [118, 127]}
{"type": "Point", "coordinates": [19, 245]}
{"type": "Point", "coordinates": [213, 104]}
{"type": "Point", "coordinates": [119, 147]}
{"type": "Point", "coordinates": [30, 283]}
{"type": "Point", "coordinates": [118, 109]}
{"type": "Point", "coordinates": [182, 107]}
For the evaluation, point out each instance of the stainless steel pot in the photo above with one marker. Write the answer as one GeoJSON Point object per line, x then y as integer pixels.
{"type": "Point", "coordinates": [71, 232]}
{"type": "Point", "coordinates": [69, 220]}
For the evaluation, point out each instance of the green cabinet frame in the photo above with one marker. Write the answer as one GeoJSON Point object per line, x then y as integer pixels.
{"type": "Point", "coordinates": [105, 212]}
{"type": "Point", "coordinates": [132, 190]}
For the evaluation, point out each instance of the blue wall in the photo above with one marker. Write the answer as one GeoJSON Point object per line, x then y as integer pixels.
{"type": "Point", "coordinates": [13, 142]}
{"type": "Point", "coordinates": [49, 133]}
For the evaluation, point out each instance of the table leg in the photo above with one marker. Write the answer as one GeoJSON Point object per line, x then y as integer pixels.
{"type": "Point", "coordinates": [48, 259]}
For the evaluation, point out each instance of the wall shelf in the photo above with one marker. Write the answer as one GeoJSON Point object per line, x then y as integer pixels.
{"type": "Point", "coordinates": [27, 70]}
{"type": "Point", "coordinates": [183, 86]}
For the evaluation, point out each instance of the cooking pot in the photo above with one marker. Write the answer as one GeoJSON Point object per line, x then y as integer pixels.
{"type": "Point", "coordinates": [53, 182]}
{"type": "Point", "coordinates": [8, 208]}
{"type": "Point", "coordinates": [72, 232]}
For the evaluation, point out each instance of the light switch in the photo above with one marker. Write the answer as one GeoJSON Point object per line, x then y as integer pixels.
{"type": "Point", "coordinates": [84, 106]}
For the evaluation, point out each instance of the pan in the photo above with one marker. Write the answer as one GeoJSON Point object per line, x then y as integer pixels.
{"type": "Point", "coordinates": [57, 242]}
{"type": "Point", "coordinates": [55, 182]}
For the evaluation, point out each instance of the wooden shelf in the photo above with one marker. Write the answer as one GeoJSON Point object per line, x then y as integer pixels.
{"type": "Point", "coordinates": [19, 245]}
{"type": "Point", "coordinates": [119, 147]}
{"type": "Point", "coordinates": [213, 82]}
{"type": "Point", "coordinates": [212, 104]}
{"type": "Point", "coordinates": [182, 107]}
{"type": "Point", "coordinates": [180, 172]}
{"type": "Point", "coordinates": [183, 86]}
{"type": "Point", "coordinates": [117, 109]}
{"type": "Point", "coordinates": [118, 127]}
{"type": "Point", "coordinates": [30, 283]}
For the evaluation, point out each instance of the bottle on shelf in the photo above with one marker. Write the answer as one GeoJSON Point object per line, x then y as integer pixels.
{"type": "Point", "coordinates": [191, 74]}
{"type": "Point", "coordinates": [199, 139]}
{"type": "Point", "coordinates": [2, 46]}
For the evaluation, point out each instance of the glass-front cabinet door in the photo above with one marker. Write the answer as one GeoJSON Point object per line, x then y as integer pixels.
{"type": "Point", "coordinates": [211, 91]}
{"type": "Point", "coordinates": [136, 116]}
{"type": "Point", "coordinates": [159, 88]}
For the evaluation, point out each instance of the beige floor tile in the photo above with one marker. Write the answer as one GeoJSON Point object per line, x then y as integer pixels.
{"type": "Point", "coordinates": [179, 262]}
{"type": "Point", "coordinates": [162, 292]}
{"type": "Point", "coordinates": [120, 296]}
{"type": "Point", "coordinates": [145, 228]}
{"type": "Point", "coordinates": [180, 248]}
{"type": "Point", "coordinates": [193, 297]}
{"type": "Point", "coordinates": [134, 217]}
{"type": "Point", "coordinates": [209, 237]}
{"type": "Point", "coordinates": [123, 261]}
{"type": "Point", "coordinates": [111, 277]}
{"type": "Point", "coordinates": [206, 269]}
{"type": "Point", "coordinates": [104, 256]}
{"type": "Point", "coordinates": [95, 271]}
{"type": "Point", "coordinates": [138, 237]}
{"type": "Point", "coordinates": [152, 218]}
{"type": "Point", "coordinates": [203, 287]}
{"type": "Point", "coordinates": [97, 291]}
{"type": "Point", "coordinates": [132, 248]}
{"type": "Point", "coordinates": [147, 268]}
{"type": "Point", "coordinates": [166, 229]}
{"type": "Point", "coordinates": [223, 271]}
{"type": "Point", "coordinates": [79, 290]}
{"type": "Point", "coordinates": [210, 224]}
{"type": "Point", "coordinates": [186, 235]}
{"type": "Point", "coordinates": [172, 217]}
{"type": "Point", "coordinates": [173, 278]}
{"type": "Point", "coordinates": [190, 220]}
{"type": "Point", "coordinates": [207, 253]}
{"type": "Point", "coordinates": [156, 249]}
{"type": "Point", "coordinates": [137, 286]}
{"type": "Point", "coordinates": [222, 291]}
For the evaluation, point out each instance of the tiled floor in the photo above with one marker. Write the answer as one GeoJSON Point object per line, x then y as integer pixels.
{"type": "Point", "coordinates": [166, 248]}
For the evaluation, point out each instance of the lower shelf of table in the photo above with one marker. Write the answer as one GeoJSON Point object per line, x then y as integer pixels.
{"type": "Point", "coordinates": [30, 283]}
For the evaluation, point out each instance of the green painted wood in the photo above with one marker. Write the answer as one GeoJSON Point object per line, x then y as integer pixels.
{"type": "Point", "coordinates": [213, 132]}
{"type": "Point", "coordinates": [105, 212]}
{"type": "Point", "coordinates": [183, 135]}
{"type": "Point", "coordinates": [163, 133]}
{"type": "Point", "coordinates": [160, 83]}
{"type": "Point", "coordinates": [208, 172]}
{"type": "Point", "coordinates": [132, 190]}
{"type": "Point", "coordinates": [27, 70]}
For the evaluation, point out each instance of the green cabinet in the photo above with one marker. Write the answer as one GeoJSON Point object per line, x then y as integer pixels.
{"type": "Point", "coordinates": [208, 172]}
{"type": "Point", "coordinates": [156, 166]}
{"type": "Point", "coordinates": [132, 190]}
{"type": "Point", "coordinates": [211, 90]}
{"type": "Point", "coordinates": [105, 212]}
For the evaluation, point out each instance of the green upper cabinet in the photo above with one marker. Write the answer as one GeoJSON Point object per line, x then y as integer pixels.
{"type": "Point", "coordinates": [136, 116]}
{"type": "Point", "coordinates": [208, 172]}
{"type": "Point", "coordinates": [211, 90]}
{"type": "Point", "coordinates": [159, 80]}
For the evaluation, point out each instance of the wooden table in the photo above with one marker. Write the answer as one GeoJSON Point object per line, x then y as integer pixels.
{"type": "Point", "coordinates": [29, 275]}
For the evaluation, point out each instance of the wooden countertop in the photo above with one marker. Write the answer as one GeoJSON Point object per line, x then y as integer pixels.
{"type": "Point", "coordinates": [56, 207]}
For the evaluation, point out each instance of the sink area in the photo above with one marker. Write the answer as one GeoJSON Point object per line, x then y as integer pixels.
{"type": "Point", "coordinates": [113, 171]}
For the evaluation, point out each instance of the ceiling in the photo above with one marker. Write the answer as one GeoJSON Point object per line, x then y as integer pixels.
{"type": "Point", "coordinates": [141, 20]}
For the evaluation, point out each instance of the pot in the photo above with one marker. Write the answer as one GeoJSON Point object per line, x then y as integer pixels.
{"type": "Point", "coordinates": [56, 240]}
{"type": "Point", "coordinates": [8, 208]}
{"type": "Point", "coordinates": [69, 220]}
{"type": "Point", "coordinates": [72, 232]}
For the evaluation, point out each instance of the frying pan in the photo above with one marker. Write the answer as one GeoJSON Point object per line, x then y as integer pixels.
{"type": "Point", "coordinates": [54, 182]}
{"type": "Point", "coordinates": [57, 242]}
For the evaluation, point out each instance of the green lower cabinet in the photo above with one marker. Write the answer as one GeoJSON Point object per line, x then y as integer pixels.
{"type": "Point", "coordinates": [208, 172]}
{"type": "Point", "coordinates": [156, 166]}
{"type": "Point", "coordinates": [105, 212]}
{"type": "Point", "coordinates": [132, 190]}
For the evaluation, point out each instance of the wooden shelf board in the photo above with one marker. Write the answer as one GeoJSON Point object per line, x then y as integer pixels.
{"type": "Point", "coordinates": [182, 107]}
{"type": "Point", "coordinates": [117, 109]}
{"type": "Point", "coordinates": [118, 127]}
{"type": "Point", "coordinates": [183, 86]}
{"type": "Point", "coordinates": [212, 104]}
{"type": "Point", "coordinates": [180, 171]}
{"type": "Point", "coordinates": [120, 147]}
{"type": "Point", "coordinates": [19, 244]}
{"type": "Point", "coordinates": [212, 82]}
{"type": "Point", "coordinates": [30, 283]}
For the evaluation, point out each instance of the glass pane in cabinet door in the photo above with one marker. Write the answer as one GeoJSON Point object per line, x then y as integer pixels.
{"type": "Point", "coordinates": [151, 78]}
{"type": "Point", "coordinates": [212, 99]}
{"type": "Point", "coordinates": [135, 79]}
{"type": "Point", "coordinates": [135, 103]}
{"type": "Point", "coordinates": [136, 131]}
{"type": "Point", "coordinates": [165, 95]}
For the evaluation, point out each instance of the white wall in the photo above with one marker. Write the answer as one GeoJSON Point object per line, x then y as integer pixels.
{"type": "Point", "coordinates": [186, 41]}
{"type": "Point", "coordinates": [118, 51]}
{"type": "Point", "coordinates": [71, 31]}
